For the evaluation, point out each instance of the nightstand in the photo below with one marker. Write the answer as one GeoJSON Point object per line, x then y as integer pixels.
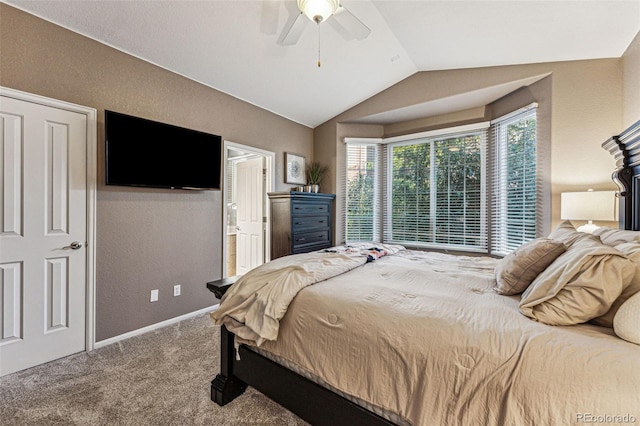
{"type": "Point", "coordinates": [220, 287]}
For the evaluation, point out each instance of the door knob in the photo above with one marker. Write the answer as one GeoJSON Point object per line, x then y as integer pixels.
{"type": "Point", "coordinates": [73, 246]}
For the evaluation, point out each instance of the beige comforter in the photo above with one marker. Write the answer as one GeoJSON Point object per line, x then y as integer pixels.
{"type": "Point", "coordinates": [425, 336]}
{"type": "Point", "coordinates": [253, 307]}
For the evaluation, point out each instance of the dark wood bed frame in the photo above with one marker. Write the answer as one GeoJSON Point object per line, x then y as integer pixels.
{"type": "Point", "coordinates": [320, 406]}
{"type": "Point", "coordinates": [625, 148]}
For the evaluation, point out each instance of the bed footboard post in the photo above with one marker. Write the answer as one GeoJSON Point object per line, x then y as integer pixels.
{"type": "Point", "coordinates": [226, 387]}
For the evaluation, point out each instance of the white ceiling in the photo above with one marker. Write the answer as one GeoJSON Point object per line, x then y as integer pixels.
{"type": "Point", "coordinates": [233, 45]}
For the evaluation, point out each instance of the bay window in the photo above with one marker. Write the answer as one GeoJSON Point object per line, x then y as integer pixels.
{"type": "Point", "coordinates": [470, 188]}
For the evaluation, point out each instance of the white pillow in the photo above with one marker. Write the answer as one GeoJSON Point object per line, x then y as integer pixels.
{"type": "Point", "coordinates": [613, 237]}
{"type": "Point", "coordinates": [626, 323]}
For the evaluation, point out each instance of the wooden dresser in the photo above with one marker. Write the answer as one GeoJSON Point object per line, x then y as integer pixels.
{"type": "Point", "coordinates": [300, 222]}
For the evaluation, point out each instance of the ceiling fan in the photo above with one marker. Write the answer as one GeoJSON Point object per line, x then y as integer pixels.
{"type": "Point", "coordinates": [319, 11]}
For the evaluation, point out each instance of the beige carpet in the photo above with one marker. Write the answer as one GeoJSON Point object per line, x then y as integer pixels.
{"type": "Point", "coordinates": [159, 378]}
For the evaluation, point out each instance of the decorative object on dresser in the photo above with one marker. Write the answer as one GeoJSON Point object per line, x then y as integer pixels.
{"type": "Point", "coordinates": [300, 222]}
{"type": "Point", "coordinates": [589, 205]}
{"type": "Point", "coordinates": [315, 173]}
{"type": "Point", "coordinates": [294, 169]}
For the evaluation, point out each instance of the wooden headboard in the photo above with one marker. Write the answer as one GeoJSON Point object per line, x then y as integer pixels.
{"type": "Point", "coordinates": [625, 148]}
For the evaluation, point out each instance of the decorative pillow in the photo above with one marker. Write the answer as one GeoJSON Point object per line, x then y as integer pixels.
{"type": "Point", "coordinates": [519, 268]}
{"type": "Point", "coordinates": [581, 284]}
{"type": "Point", "coordinates": [613, 237]}
{"type": "Point", "coordinates": [632, 251]}
{"type": "Point", "coordinates": [567, 234]}
{"type": "Point", "coordinates": [626, 323]}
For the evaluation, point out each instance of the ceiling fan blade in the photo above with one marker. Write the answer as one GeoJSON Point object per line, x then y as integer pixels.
{"type": "Point", "coordinates": [269, 17]}
{"type": "Point", "coordinates": [351, 24]}
{"type": "Point", "coordinates": [293, 30]}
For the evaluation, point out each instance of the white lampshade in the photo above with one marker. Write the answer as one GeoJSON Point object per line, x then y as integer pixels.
{"type": "Point", "coordinates": [590, 206]}
{"type": "Point", "coordinates": [318, 10]}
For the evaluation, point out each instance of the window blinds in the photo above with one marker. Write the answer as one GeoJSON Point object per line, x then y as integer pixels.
{"type": "Point", "coordinates": [514, 195]}
{"type": "Point", "coordinates": [361, 205]}
{"type": "Point", "coordinates": [437, 192]}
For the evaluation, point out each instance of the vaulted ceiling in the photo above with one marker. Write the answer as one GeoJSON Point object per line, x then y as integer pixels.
{"type": "Point", "coordinates": [233, 46]}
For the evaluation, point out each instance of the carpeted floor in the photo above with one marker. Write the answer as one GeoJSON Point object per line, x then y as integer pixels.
{"type": "Point", "coordinates": [159, 378]}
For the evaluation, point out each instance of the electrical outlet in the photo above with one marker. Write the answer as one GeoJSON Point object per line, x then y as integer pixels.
{"type": "Point", "coordinates": [154, 296]}
{"type": "Point", "coordinates": [177, 290]}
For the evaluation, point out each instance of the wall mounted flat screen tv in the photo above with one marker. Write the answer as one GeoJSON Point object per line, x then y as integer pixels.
{"type": "Point", "coordinates": [142, 152]}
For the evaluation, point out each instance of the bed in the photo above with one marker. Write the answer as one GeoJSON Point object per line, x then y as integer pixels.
{"type": "Point", "coordinates": [377, 334]}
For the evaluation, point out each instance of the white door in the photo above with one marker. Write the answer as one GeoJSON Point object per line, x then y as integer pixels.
{"type": "Point", "coordinates": [43, 234]}
{"type": "Point", "coordinates": [250, 204]}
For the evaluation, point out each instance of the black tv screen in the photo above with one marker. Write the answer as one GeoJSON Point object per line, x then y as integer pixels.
{"type": "Point", "coordinates": [142, 152]}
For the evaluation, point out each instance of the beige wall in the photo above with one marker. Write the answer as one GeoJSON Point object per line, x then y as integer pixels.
{"type": "Point", "coordinates": [583, 109]}
{"type": "Point", "coordinates": [631, 83]}
{"type": "Point", "coordinates": [146, 238]}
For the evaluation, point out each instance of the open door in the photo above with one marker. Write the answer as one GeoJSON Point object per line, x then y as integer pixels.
{"type": "Point", "coordinates": [248, 179]}
{"type": "Point", "coordinates": [250, 214]}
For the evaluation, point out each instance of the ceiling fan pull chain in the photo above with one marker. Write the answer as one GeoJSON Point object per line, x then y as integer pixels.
{"type": "Point", "coordinates": [318, 44]}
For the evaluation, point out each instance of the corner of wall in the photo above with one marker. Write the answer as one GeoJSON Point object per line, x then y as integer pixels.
{"type": "Point", "coordinates": [631, 83]}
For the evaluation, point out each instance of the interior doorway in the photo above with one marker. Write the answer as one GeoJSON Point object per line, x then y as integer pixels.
{"type": "Point", "coordinates": [248, 177]}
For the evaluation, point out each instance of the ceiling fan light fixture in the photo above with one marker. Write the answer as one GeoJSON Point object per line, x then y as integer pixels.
{"type": "Point", "coordinates": [318, 10]}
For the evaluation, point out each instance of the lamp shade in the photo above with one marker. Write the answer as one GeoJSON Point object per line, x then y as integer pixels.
{"type": "Point", "coordinates": [318, 10]}
{"type": "Point", "coordinates": [589, 205]}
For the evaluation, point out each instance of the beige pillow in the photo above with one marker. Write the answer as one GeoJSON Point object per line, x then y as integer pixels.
{"type": "Point", "coordinates": [632, 251]}
{"type": "Point", "coordinates": [613, 237]}
{"type": "Point", "coordinates": [567, 234]}
{"type": "Point", "coordinates": [581, 284]}
{"type": "Point", "coordinates": [519, 268]}
{"type": "Point", "coordinates": [626, 323]}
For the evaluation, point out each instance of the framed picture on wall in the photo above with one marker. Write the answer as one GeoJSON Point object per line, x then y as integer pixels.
{"type": "Point", "coordinates": [295, 171]}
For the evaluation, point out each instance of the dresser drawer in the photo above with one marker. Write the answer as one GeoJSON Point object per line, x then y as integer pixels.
{"type": "Point", "coordinates": [307, 223]}
{"type": "Point", "coordinates": [310, 247]}
{"type": "Point", "coordinates": [300, 239]}
{"type": "Point", "coordinates": [308, 208]}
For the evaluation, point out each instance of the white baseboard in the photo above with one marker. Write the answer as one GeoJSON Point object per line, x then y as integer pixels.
{"type": "Point", "coordinates": [152, 327]}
